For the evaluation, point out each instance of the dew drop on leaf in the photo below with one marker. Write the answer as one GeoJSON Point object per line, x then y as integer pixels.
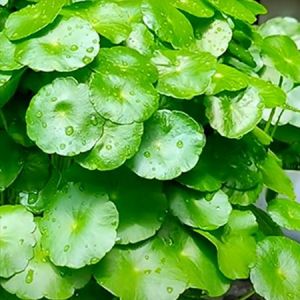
{"type": "Point", "coordinates": [39, 114]}
{"type": "Point", "coordinates": [169, 289]}
{"type": "Point", "coordinates": [90, 50]}
{"type": "Point", "coordinates": [147, 154]}
{"type": "Point", "coordinates": [179, 144]}
{"type": "Point", "coordinates": [66, 248]}
{"type": "Point", "coordinates": [69, 130]}
{"type": "Point", "coordinates": [29, 276]}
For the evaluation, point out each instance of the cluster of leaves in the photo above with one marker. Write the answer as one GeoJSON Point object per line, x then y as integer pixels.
{"type": "Point", "coordinates": [136, 137]}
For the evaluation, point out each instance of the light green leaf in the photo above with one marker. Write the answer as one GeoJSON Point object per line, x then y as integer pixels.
{"type": "Point", "coordinates": [275, 178]}
{"type": "Point", "coordinates": [194, 209]}
{"type": "Point", "coordinates": [117, 144]}
{"type": "Point", "coordinates": [69, 45]}
{"type": "Point", "coordinates": [111, 19]}
{"type": "Point", "coordinates": [284, 55]}
{"type": "Point", "coordinates": [214, 38]}
{"type": "Point", "coordinates": [7, 55]}
{"type": "Point", "coordinates": [79, 226]}
{"type": "Point", "coordinates": [198, 8]}
{"type": "Point", "coordinates": [3, 2]}
{"type": "Point", "coordinates": [285, 213]}
{"type": "Point", "coordinates": [227, 78]}
{"type": "Point", "coordinates": [41, 278]}
{"type": "Point", "coordinates": [233, 115]}
{"type": "Point", "coordinates": [168, 132]}
{"type": "Point", "coordinates": [11, 161]}
{"type": "Point", "coordinates": [16, 239]}
{"type": "Point", "coordinates": [76, 124]}
{"type": "Point", "coordinates": [293, 117]}
{"type": "Point", "coordinates": [184, 74]}
{"type": "Point", "coordinates": [32, 18]}
{"type": "Point", "coordinates": [167, 22]}
{"type": "Point", "coordinates": [276, 273]}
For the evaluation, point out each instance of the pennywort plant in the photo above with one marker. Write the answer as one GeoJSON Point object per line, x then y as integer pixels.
{"type": "Point", "coordinates": [136, 137]}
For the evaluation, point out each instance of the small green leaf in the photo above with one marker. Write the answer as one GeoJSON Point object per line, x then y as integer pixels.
{"type": "Point", "coordinates": [227, 78]}
{"type": "Point", "coordinates": [193, 209]}
{"type": "Point", "coordinates": [11, 161]}
{"type": "Point", "coordinates": [117, 144]}
{"type": "Point", "coordinates": [284, 55]}
{"type": "Point", "coordinates": [168, 132]}
{"type": "Point", "coordinates": [32, 18]}
{"type": "Point", "coordinates": [233, 115]}
{"type": "Point", "coordinates": [167, 22]}
{"type": "Point", "coordinates": [41, 278]}
{"type": "Point", "coordinates": [76, 124]}
{"type": "Point", "coordinates": [69, 45]}
{"type": "Point", "coordinates": [275, 178]}
{"type": "Point", "coordinates": [285, 213]}
{"type": "Point", "coordinates": [16, 239]}
{"type": "Point", "coordinates": [182, 73]}
{"type": "Point", "coordinates": [275, 275]}
{"type": "Point", "coordinates": [198, 8]}
{"type": "Point", "coordinates": [79, 226]}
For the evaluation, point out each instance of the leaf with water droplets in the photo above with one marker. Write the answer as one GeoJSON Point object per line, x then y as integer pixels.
{"type": "Point", "coordinates": [76, 124]}
{"type": "Point", "coordinates": [79, 226]}
{"type": "Point", "coordinates": [234, 114]}
{"type": "Point", "coordinates": [117, 144]}
{"type": "Point", "coordinates": [32, 18]}
{"type": "Point", "coordinates": [11, 161]}
{"type": "Point", "coordinates": [168, 132]}
{"type": "Point", "coordinates": [193, 209]}
{"type": "Point", "coordinates": [198, 8]}
{"type": "Point", "coordinates": [184, 74]}
{"type": "Point", "coordinates": [275, 275]}
{"type": "Point", "coordinates": [31, 284]}
{"type": "Point", "coordinates": [16, 239]}
{"type": "Point", "coordinates": [67, 46]}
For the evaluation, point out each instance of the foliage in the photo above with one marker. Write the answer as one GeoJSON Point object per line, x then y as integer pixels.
{"type": "Point", "coordinates": [136, 137]}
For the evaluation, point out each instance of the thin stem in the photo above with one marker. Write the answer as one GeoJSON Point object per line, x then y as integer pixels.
{"type": "Point", "coordinates": [267, 128]}
{"type": "Point", "coordinates": [277, 123]}
{"type": "Point", "coordinates": [3, 119]}
{"type": "Point", "coordinates": [248, 295]}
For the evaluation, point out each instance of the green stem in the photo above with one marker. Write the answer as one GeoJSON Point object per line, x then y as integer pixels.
{"type": "Point", "coordinates": [277, 123]}
{"type": "Point", "coordinates": [248, 295]}
{"type": "Point", "coordinates": [3, 119]}
{"type": "Point", "coordinates": [267, 128]}
{"type": "Point", "coordinates": [2, 198]}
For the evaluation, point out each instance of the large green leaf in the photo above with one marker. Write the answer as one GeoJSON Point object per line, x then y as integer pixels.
{"type": "Point", "coordinates": [198, 210]}
{"type": "Point", "coordinates": [167, 22]}
{"type": "Point", "coordinates": [11, 161]}
{"type": "Point", "coordinates": [182, 73]}
{"type": "Point", "coordinates": [79, 226]}
{"type": "Point", "coordinates": [117, 144]}
{"type": "Point", "coordinates": [285, 213]}
{"type": "Point", "coordinates": [63, 107]}
{"type": "Point", "coordinates": [233, 115]}
{"type": "Point", "coordinates": [198, 8]}
{"type": "Point", "coordinates": [168, 132]}
{"type": "Point", "coordinates": [41, 278]}
{"type": "Point", "coordinates": [32, 18]}
{"type": "Point", "coordinates": [275, 275]}
{"type": "Point", "coordinates": [16, 239]}
{"type": "Point", "coordinates": [69, 45]}
{"type": "Point", "coordinates": [284, 55]}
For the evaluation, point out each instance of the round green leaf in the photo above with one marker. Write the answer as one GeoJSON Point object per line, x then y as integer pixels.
{"type": "Point", "coordinates": [284, 55]}
{"type": "Point", "coordinates": [215, 38]}
{"type": "Point", "coordinates": [7, 55]}
{"type": "Point", "coordinates": [167, 22]}
{"type": "Point", "coordinates": [79, 227]}
{"type": "Point", "coordinates": [69, 45]}
{"type": "Point", "coordinates": [233, 115]}
{"type": "Point", "coordinates": [63, 108]}
{"type": "Point", "coordinates": [227, 79]}
{"type": "Point", "coordinates": [184, 74]}
{"type": "Point", "coordinates": [285, 213]}
{"type": "Point", "coordinates": [16, 239]}
{"type": "Point", "coordinates": [275, 275]}
{"type": "Point", "coordinates": [195, 7]}
{"type": "Point", "coordinates": [193, 209]}
{"type": "Point", "coordinates": [123, 98]}
{"type": "Point", "coordinates": [141, 205]}
{"type": "Point", "coordinates": [171, 144]}
{"type": "Point", "coordinates": [117, 144]}
{"type": "Point", "coordinates": [43, 279]}
{"type": "Point", "coordinates": [11, 161]}
{"type": "Point", "coordinates": [32, 18]}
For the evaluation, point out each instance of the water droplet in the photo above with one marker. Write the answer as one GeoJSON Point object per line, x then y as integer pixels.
{"type": "Point", "coordinates": [66, 248]}
{"type": "Point", "coordinates": [29, 276]}
{"type": "Point", "coordinates": [44, 125]}
{"type": "Point", "coordinates": [69, 130]}
{"type": "Point", "coordinates": [90, 49]}
{"type": "Point", "coordinates": [147, 154]}
{"type": "Point", "coordinates": [86, 60]}
{"type": "Point", "coordinates": [39, 114]}
{"type": "Point", "coordinates": [169, 289]}
{"type": "Point", "coordinates": [21, 241]}
{"type": "Point", "coordinates": [146, 257]}
{"type": "Point", "coordinates": [62, 146]}
{"type": "Point", "coordinates": [94, 120]}
{"type": "Point", "coordinates": [147, 272]}
{"type": "Point", "coordinates": [74, 47]}
{"type": "Point", "coordinates": [108, 147]}
{"type": "Point", "coordinates": [94, 260]}
{"type": "Point", "coordinates": [158, 270]}
{"type": "Point", "coordinates": [179, 144]}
